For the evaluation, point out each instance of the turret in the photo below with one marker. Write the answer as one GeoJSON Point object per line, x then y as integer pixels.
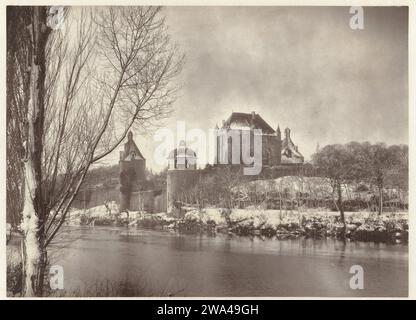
{"type": "Point", "coordinates": [287, 133]}
{"type": "Point", "coordinates": [278, 133]}
{"type": "Point", "coordinates": [279, 145]}
{"type": "Point", "coordinates": [132, 166]}
{"type": "Point", "coordinates": [253, 119]}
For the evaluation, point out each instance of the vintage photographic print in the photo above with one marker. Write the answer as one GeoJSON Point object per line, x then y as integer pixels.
{"type": "Point", "coordinates": [207, 151]}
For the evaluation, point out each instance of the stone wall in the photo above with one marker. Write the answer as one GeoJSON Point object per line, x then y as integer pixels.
{"type": "Point", "coordinates": [150, 201]}
{"type": "Point", "coordinates": [271, 147]}
{"type": "Point", "coordinates": [178, 182]}
{"type": "Point", "coordinates": [89, 198]}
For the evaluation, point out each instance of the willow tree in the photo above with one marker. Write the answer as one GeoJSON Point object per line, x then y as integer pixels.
{"type": "Point", "coordinates": [108, 70]}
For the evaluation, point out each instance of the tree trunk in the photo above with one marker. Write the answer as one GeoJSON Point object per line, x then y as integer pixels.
{"type": "Point", "coordinates": [30, 242]}
{"type": "Point", "coordinates": [380, 195]}
{"type": "Point", "coordinates": [41, 271]}
{"type": "Point", "coordinates": [341, 209]}
{"type": "Point", "coordinates": [33, 210]}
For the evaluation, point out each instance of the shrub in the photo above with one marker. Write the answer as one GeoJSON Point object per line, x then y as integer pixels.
{"type": "Point", "coordinates": [14, 279]}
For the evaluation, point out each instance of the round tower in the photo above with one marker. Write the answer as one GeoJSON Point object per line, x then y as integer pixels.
{"type": "Point", "coordinates": [181, 176]}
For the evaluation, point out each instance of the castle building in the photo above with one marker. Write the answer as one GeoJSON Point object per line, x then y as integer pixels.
{"type": "Point", "coordinates": [132, 171]}
{"type": "Point", "coordinates": [275, 151]}
{"type": "Point", "coordinates": [279, 156]}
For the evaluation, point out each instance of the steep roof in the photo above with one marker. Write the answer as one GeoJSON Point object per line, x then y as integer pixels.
{"type": "Point", "coordinates": [248, 120]}
{"type": "Point", "coordinates": [130, 147]}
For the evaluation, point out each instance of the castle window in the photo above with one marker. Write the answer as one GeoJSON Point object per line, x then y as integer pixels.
{"type": "Point", "coordinates": [288, 153]}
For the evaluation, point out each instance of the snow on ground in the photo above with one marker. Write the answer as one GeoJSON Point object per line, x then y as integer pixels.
{"type": "Point", "coordinates": [258, 218]}
{"type": "Point", "coordinates": [107, 210]}
{"type": "Point", "coordinates": [274, 218]}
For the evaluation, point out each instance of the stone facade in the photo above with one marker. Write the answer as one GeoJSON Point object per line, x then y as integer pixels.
{"type": "Point", "coordinates": [182, 174]}
{"type": "Point", "coordinates": [151, 201]}
{"type": "Point", "coordinates": [275, 151]}
{"type": "Point", "coordinates": [132, 171]}
{"type": "Point", "coordinates": [178, 183]}
{"type": "Point", "coordinates": [279, 157]}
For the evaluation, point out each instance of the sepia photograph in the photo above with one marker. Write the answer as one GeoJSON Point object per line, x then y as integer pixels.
{"type": "Point", "coordinates": [207, 151]}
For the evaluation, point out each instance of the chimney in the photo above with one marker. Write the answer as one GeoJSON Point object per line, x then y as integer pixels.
{"type": "Point", "coordinates": [279, 146]}
{"type": "Point", "coordinates": [253, 118]}
{"type": "Point", "coordinates": [287, 133]}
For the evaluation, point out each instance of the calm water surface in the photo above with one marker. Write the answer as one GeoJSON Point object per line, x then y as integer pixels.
{"type": "Point", "coordinates": [200, 265]}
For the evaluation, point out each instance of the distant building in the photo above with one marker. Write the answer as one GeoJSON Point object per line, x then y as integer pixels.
{"type": "Point", "coordinates": [275, 151]}
{"type": "Point", "coordinates": [290, 152]}
{"type": "Point", "coordinates": [279, 156]}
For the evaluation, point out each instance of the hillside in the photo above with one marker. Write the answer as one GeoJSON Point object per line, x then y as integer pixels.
{"type": "Point", "coordinates": [108, 177]}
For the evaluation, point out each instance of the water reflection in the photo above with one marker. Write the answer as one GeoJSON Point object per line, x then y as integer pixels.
{"type": "Point", "coordinates": [199, 265]}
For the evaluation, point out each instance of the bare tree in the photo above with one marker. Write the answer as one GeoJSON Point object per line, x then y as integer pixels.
{"type": "Point", "coordinates": [33, 212]}
{"type": "Point", "coordinates": [17, 84]}
{"type": "Point", "coordinates": [338, 164]}
{"type": "Point", "coordinates": [381, 161]}
{"type": "Point", "coordinates": [88, 92]}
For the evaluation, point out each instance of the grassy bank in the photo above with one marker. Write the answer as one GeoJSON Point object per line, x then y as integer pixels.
{"type": "Point", "coordinates": [127, 286]}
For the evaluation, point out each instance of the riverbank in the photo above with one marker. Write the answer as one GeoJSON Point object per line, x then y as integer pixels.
{"type": "Point", "coordinates": [360, 226]}
{"type": "Point", "coordinates": [143, 262]}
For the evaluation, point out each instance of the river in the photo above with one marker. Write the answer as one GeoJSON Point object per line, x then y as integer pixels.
{"type": "Point", "coordinates": [202, 265]}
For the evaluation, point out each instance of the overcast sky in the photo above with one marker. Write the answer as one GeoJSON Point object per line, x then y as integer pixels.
{"type": "Point", "coordinates": [302, 68]}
